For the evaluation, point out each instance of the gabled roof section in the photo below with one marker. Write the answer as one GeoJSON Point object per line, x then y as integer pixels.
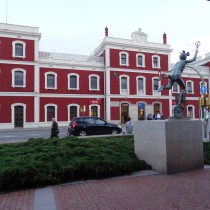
{"type": "Point", "coordinates": [139, 40]}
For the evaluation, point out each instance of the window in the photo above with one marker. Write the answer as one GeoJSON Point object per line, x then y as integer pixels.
{"type": "Point", "coordinates": [155, 61]}
{"type": "Point", "coordinates": [155, 86]}
{"type": "Point", "coordinates": [124, 58]}
{"type": "Point", "coordinates": [190, 111]}
{"type": "Point", "coordinates": [140, 60]}
{"type": "Point", "coordinates": [140, 85]}
{"type": "Point", "coordinates": [18, 78]}
{"type": "Point", "coordinates": [73, 112]}
{"type": "Point", "coordinates": [73, 81]}
{"type": "Point", "coordinates": [99, 122]}
{"type": "Point", "coordinates": [50, 112]}
{"type": "Point", "coordinates": [50, 80]}
{"type": "Point", "coordinates": [124, 84]}
{"type": "Point", "coordinates": [175, 88]}
{"type": "Point", "coordinates": [189, 87]}
{"type": "Point", "coordinates": [94, 110]}
{"type": "Point", "coordinates": [93, 82]}
{"type": "Point", "coordinates": [18, 49]}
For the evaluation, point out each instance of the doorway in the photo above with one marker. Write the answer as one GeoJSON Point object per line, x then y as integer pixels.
{"type": "Point", "coordinates": [124, 112]}
{"type": "Point", "coordinates": [18, 116]}
{"type": "Point", "coordinates": [94, 111]}
{"type": "Point", "coordinates": [141, 111]}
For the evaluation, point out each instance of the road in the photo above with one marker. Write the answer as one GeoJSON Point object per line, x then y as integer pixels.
{"type": "Point", "coordinates": [23, 134]}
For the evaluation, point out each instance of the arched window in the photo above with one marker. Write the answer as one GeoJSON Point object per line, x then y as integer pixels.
{"type": "Point", "coordinates": [124, 59]}
{"type": "Point", "coordinates": [94, 110]}
{"type": "Point", "coordinates": [140, 81]}
{"type": "Point", "coordinates": [190, 87]}
{"type": "Point", "coordinates": [73, 111]}
{"type": "Point", "coordinates": [18, 49]}
{"type": "Point", "coordinates": [93, 82]}
{"type": "Point", "coordinates": [190, 111]}
{"type": "Point", "coordinates": [175, 88]}
{"type": "Point", "coordinates": [124, 84]}
{"type": "Point", "coordinates": [156, 84]}
{"type": "Point", "coordinates": [50, 112]}
{"type": "Point", "coordinates": [73, 81]}
{"type": "Point", "coordinates": [50, 80]}
{"type": "Point", "coordinates": [155, 61]}
{"type": "Point", "coordinates": [18, 78]}
{"type": "Point", "coordinates": [140, 60]}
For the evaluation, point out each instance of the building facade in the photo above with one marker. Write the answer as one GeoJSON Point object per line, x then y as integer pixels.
{"type": "Point", "coordinates": [120, 79]}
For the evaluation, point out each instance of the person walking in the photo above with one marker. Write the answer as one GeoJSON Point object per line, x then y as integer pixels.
{"type": "Point", "coordinates": [129, 126]}
{"type": "Point", "coordinates": [54, 129]}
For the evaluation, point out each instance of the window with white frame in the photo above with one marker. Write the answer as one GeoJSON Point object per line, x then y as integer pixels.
{"type": "Point", "coordinates": [140, 60]}
{"type": "Point", "coordinates": [156, 84]}
{"type": "Point", "coordinates": [50, 80]}
{"type": "Point", "coordinates": [175, 88]}
{"type": "Point", "coordinates": [124, 57]}
{"type": "Point", "coordinates": [190, 111]}
{"type": "Point", "coordinates": [190, 87]}
{"type": "Point", "coordinates": [73, 81]}
{"type": "Point", "coordinates": [124, 84]}
{"type": "Point", "coordinates": [18, 49]}
{"type": "Point", "coordinates": [140, 81]}
{"type": "Point", "coordinates": [18, 78]}
{"type": "Point", "coordinates": [73, 111]}
{"type": "Point", "coordinates": [94, 110]}
{"type": "Point", "coordinates": [93, 82]}
{"type": "Point", "coordinates": [50, 112]}
{"type": "Point", "coordinates": [155, 61]}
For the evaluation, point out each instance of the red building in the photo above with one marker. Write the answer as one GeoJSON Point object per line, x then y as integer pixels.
{"type": "Point", "coordinates": [120, 79]}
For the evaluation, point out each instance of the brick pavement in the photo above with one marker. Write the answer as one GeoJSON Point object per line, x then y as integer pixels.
{"type": "Point", "coordinates": [190, 190]}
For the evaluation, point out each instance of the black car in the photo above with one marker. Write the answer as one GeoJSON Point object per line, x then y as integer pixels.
{"type": "Point", "coordinates": [83, 126]}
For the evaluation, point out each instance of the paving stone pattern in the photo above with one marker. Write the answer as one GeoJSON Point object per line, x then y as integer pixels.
{"type": "Point", "coordinates": [183, 191]}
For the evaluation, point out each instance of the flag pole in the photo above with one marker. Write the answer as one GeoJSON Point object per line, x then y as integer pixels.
{"type": "Point", "coordinates": [6, 9]}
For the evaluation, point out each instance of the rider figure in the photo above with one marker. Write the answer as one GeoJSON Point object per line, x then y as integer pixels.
{"type": "Point", "coordinates": [175, 76]}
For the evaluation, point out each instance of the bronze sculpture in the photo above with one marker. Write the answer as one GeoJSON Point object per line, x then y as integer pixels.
{"type": "Point", "coordinates": [175, 76]}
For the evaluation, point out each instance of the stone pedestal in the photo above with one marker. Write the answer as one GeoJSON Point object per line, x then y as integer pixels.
{"type": "Point", "coordinates": [170, 146]}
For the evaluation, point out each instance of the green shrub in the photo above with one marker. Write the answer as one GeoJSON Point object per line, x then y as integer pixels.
{"type": "Point", "coordinates": [206, 149]}
{"type": "Point", "coordinates": [51, 161]}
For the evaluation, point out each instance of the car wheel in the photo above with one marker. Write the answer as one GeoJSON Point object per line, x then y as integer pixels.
{"type": "Point", "coordinates": [114, 131]}
{"type": "Point", "coordinates": [83, 133]}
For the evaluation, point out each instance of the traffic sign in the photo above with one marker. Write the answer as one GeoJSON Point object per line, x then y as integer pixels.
{"type": "Point", "coordinates": [203, 89]}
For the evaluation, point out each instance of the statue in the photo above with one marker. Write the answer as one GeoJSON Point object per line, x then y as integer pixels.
{"type": "Point", "coordinates": [175, 76]}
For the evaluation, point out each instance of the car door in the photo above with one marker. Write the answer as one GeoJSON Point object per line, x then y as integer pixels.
{"type": "Point", "coordinates": [102, 126]}
{"type": "Point", "coordinates": [90, 126]}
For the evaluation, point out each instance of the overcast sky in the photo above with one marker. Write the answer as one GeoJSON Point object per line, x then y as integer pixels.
{"type": "Point", "coordinates": [77, 26]}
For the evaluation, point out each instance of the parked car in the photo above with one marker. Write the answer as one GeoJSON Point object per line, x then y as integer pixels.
{"type": "Point", "coordinates": [82, 126]}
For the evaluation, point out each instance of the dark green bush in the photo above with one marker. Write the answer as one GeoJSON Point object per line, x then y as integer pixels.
{"type": "Point", "coordinates": [206, 149]}
{"type": "Point", "coordinates": [51, 161]}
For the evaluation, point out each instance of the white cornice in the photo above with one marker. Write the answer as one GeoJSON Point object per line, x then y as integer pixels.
{"type": "Point", "coordinates": [18, 31]}
{"type": "Point", "coordinates": [126, 44]}
{"type": "Point", "coordinates": [16, 62]}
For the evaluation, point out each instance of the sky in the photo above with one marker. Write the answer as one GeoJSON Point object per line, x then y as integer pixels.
{"type": "Point", "coordinates": [77, 26]}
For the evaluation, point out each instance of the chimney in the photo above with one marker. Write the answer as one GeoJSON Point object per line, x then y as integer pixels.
{"type": "Point", "coordinates": [106, 31]}
{"type": "Point", "coordinates": [164, 38]}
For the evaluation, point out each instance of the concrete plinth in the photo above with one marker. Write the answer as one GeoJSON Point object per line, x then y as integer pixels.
{"type": "Point", "coordinates": [170, 146]}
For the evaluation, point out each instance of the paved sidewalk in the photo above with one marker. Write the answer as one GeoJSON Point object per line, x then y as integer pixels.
{"type": "Point", "coordinates": [144, 190]}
